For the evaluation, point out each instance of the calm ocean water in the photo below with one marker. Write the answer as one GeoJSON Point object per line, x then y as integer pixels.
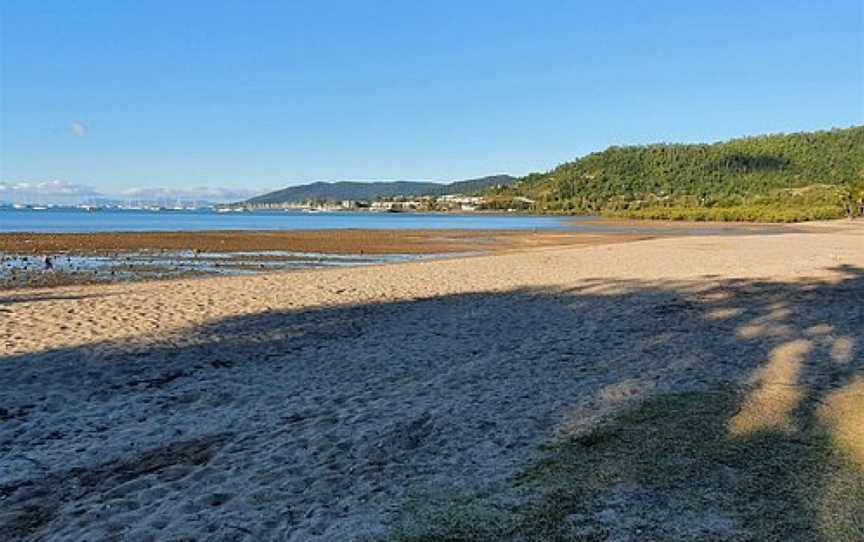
{"type": "Point", "coordinates": [57, 220]}
{"type": "Point", "coordinates": [77, 220]}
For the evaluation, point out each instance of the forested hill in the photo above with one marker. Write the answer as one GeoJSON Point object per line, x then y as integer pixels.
{"type": "Point", "coordinates": [773, 177]}
{"type": "Point", "coordinates": [474, 186]}
{"type": "Point", "coordinates": [346, 190]}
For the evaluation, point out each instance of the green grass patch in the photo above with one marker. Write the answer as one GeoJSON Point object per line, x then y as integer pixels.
{"type": "Point", "coordinates": [741, 213]}
{"type": "Point", "coordinates": [670, 470]}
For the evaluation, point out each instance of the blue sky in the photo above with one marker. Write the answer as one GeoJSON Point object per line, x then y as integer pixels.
{"type": "Point", "coordinates": [257, 94]}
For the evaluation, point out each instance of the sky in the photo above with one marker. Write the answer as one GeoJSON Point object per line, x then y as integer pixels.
{"type": "Point", "coordinates": [253, 95]}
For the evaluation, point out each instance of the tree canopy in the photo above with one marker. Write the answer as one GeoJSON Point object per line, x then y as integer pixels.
{"type": "Point", "coordinates": [777, 177]}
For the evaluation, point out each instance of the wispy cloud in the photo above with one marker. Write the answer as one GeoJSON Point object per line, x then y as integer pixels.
{"type": "Point", "coordinates": [68, 193]}
{"type": "Point", "coordinates": [78, 129]}
{"type": "Point", "coordinates": [213, 194]}
{"type": "Point", "coordinates": [46, 192]}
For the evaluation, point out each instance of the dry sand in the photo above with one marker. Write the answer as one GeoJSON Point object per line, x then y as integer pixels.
{"type": "Point", "coordinates": [329, 405]}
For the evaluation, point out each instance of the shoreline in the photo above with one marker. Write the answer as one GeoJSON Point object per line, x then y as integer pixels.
{"type": "Point", "coordinates": [99, 258]}
{"type": "Point", "coordinates": [131, 256]}
{"type": "Point", "coordinates": [380, 241]}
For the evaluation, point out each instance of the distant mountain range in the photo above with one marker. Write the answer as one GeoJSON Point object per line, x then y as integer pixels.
{"type": "Point", "coordinates": [350, 190]}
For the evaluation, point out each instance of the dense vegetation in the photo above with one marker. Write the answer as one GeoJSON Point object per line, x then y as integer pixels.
{"type": "Point", "coordinates": [345, 190]}
{"type": "Point", "coordinates": [475, 186]}
{"type": "Point", "coordinates": [784, 177]}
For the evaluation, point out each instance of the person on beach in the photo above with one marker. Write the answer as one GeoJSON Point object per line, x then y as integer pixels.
{"type": "Point", "coordinates": [48, 264]}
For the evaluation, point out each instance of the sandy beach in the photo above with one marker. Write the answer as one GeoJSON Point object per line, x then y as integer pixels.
{"type": "Point", "coordinates": [345, 404]}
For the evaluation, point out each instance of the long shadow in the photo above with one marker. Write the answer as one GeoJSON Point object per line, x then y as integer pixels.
{"type": "Point", "coordinates": [337, 423]}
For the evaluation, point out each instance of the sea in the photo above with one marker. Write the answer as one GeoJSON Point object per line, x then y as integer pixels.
{"type": "Point", "coordinates": [66, 220]}
{"type": "Point", "coordinates": [78, 220]}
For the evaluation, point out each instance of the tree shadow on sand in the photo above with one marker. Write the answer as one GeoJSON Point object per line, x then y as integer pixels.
{"type": "Point", "coordinates": [712, 409]}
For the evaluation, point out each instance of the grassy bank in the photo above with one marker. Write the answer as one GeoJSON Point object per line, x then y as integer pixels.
{"type": "Point", "coordinates": [678, 468]}
{"type": "Point", "coordinates": [742, 213]}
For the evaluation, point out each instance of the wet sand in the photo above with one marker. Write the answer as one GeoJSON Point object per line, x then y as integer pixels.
{"type": "Point", "coordinates": [98, 258]}
{"type": "Point", "coordinates": [324, 241]}
{"type": "Point", "coordinates": [335, 404]}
